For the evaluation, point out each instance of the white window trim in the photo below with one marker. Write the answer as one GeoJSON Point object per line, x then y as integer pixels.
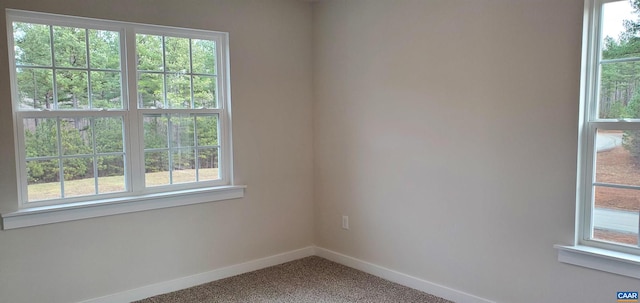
{"type": "Point", "coordinates": [600, 259]}
{"type": "Point", "coordinates": [583, 252]}
{"type": "Point", "coordinates": [84, 210]}
{"type": "Point", "coordinates": [34, 214]}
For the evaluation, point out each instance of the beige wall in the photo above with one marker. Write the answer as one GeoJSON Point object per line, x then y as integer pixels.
{"type": "Point", "coordinates": [270, 43]}
{"type": "Point", "coordinates": [446, 130]}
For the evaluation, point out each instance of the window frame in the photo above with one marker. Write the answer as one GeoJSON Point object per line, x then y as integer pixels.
{"type": "Point", "coordinates": [586, 252]}
{"type": "Point", "coordinates": [589, 126]}
{"type": "Point", "coordinates": [133, 126]}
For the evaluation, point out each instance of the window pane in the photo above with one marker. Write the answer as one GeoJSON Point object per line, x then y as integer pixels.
{"type": "Point", "coordinates": [150, 90]}
{"type": "Point", "coordinates": [617, 198]}
{"type": "Point", "coordinates": [616, 39]}
{"type": "Point", "coordinates": [149, 52]}
{"type": "Point", "coordinates": [178, 91]}
{"type": "Point", "coordinates": [72, 89]}
{"type": "Point", "coordinates": [109, 135]}
{"type": "Point", "coordinates": [105, 90]}
{"type": "Point", "coordinates": [619, 83]}
{"type": "Point", "coordinates": [111, 174]}
{"type": "Point", "coordinates": [78, 177]}
{"type": "Point", "coordinates": [207, 129]}
{"type": "Point", "coordinates": [43, 180]}
{"type": "Point", "coordinates": [618, 158]}
{"type": "Point", "coordinates": [35, 88]}
{"type": "Point", "coordinates": [204, 56]}
{"type": "Point", "coordinates": [104, 49]}
{"type": "Point", "coordinates": [208, 164]}
{"type": "Point", "coordinates": [156, 168]}
{"type": "Point", "coordinates": [69, 47]}
{"type": "Point", "coordinates": [183, 164]}
{"type": "Point", "coordinates": [615, 216]}
{"type": "Point", "coordinates": [155, 131]}
{"type": "Point", "coordinates": [615, 213]}
{"type": "Point", "coordinates": [32, 44]}
{"type": "Point", "coordinates": [616, 237]}
{"type": "Point", "coordinates": [182, 128]}
{"type": "Point", "coordinates": [204, 92]}
{"type": "Point", "coordinates": [76, 137]}
{"type": "Point", "coordinates": [41, 138]}
{"type": "Point", "coordinates": [177, 54]}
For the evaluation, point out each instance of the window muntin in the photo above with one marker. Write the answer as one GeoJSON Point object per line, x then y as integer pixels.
{"type": "Point", "coordinates": [611, 146]}
{"type": "Point", "coordinates": [69, 73]}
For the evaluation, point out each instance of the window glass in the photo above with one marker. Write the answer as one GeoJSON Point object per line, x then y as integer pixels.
{"type": "Point", "coordinates": [619, 80]}
{"type": "Point", "coordinates": [177, 73]}
{"type": "Point", "coordinates": [104, 50]}
{"type": "Point", "coordinates": [32, 44]}
{"type": "Point", "coordinates": [35, 88]}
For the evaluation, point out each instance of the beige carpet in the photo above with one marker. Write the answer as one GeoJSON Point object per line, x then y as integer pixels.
{"type": "Point", "coordinates": [311, 279]}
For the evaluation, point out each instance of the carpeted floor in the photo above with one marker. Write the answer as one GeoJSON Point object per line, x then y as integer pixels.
{"type": "Point", "coordinates": [311, 279]}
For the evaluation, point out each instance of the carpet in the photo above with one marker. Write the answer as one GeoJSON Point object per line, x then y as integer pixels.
{"type": "Point", "coordinates": [311, 279]}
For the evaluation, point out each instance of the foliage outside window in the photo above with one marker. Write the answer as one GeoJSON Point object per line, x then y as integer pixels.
{"type": "Point", "coordinates": [609, 192]}
{"type": "Point", "coordinates": [99, 116]}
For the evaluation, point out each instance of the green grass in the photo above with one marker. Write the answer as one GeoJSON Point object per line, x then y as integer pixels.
{"type": "Point", "coordinates": [83, 187]}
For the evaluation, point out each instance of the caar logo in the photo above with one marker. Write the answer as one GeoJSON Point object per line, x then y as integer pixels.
{"type": "Point", "coordinates": [627, 296]}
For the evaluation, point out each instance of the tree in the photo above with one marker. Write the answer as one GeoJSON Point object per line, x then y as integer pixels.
{"type": "Point", "coordinates": [70, 51]}
{"type": "Point", "coordinates": [149, 59]}
{"type": "Point", "coordinates": [207, 128]}
{"type": "Point", "coordinates": [108, 135]}
{"type": "Point", "coordinates": [620, 96]}
{"type": "Point", "coordinates": [41, 141]}
{"type": "Point", "coordinates": [33, 49]}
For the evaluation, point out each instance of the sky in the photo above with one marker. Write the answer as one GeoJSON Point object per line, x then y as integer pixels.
{"type": "Point", "coordinates": [613, 14]}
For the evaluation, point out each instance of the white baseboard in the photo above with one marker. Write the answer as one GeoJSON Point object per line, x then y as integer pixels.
{"type": "Point", "coordinates": [201, 278]}
{"type": "Point", "coordinates": [225, 272]}
{"type": "Point", "coordinates": [400, 278]}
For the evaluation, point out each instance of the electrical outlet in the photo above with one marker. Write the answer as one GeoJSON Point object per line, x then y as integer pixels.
{"type": "Point", "coordinates": [345, 222]}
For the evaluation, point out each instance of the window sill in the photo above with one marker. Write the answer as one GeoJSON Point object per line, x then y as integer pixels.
{"type": "Point", "coordinates": [84, 210]}
{"type": "Point", "coordinates": [600, 259]}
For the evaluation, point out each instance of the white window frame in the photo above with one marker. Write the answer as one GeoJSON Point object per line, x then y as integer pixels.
{"type": "Point", "coordinates": [137, 197]}
{"type": "Point", "coordinates": [600, 255]}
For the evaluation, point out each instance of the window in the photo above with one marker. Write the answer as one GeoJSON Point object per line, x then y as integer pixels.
{"type": "Point", "coordinates": [608, 187]}
{"type": "Point", "coordinates": [109, 111]}
{"type": "Point", "coordinates": [611, 129]}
